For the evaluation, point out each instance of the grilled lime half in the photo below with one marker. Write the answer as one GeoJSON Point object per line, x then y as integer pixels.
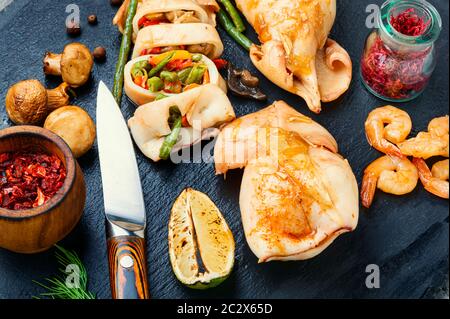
{"type": "Point", "coordinates": [201, 245]}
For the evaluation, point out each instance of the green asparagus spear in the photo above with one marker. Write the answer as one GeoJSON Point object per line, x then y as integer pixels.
{"type": "Point", "coordinates": [228, 25]}
{"type": "Point", "coordinates": [124, 51]}
{"type": "Point", "coordinates": [234, 14]}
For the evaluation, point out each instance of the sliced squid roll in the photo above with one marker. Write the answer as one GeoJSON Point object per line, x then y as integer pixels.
{"type": "Point", "coordinates": [170, 11]}
{"type": "Point", "coordinates": [195, 37]}
{"type": "Point", "coordinates": [205, 109]}
{"type": "Point", "coordinates": [199, 10]}
{"type": "Point", "coordinates": [140, 95]}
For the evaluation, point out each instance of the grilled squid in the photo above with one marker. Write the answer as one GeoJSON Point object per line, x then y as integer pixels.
{"type": "Point", "coordinates": [202, 111]}
{"type": "Point", "coordinates": [193, 37]}
{"type": "Point", "coordinates": [296, 53]}
{"type": "Point", "coordinates": [297, 193]}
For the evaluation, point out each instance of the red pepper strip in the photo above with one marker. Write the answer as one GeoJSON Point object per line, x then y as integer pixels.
{"type": "Point", "coordinates": [220, 63]}
{"type": "Point", "coordinates": [144, 22]}
{"type": "Point", "coordinates": [184, 122]}
{"type": "Point", "coordinates": [156, 50]}
{"type": "Point", "coordinates": [176, 65]}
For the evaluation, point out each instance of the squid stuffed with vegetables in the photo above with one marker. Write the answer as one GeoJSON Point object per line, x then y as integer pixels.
{"type": "Point", "coordinates": [296, 53]}
{"type": "Point", "coordinates": [153, 12]}
{"type": "Point", "coordinates": [150, 77]}
{"type": "Point", "coordinates": [297, 193]}
{"type": "Point", "coordinates": [194, 37]}
{"type": "Point", "coordinates": [181, 120]}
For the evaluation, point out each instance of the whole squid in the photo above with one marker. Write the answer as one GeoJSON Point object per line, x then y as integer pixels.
{"type": "Point", "coordinates": [297, 193]}
{"type": "Point", "coordinates": [296, 53]}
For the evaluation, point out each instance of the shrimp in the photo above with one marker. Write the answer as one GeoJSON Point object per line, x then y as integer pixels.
{"type": "Point", "coordinates": [390, 174]}
{"type": "Point", "coordinates": [435, 142]}
{"type": "Point", "coordinates": [436, 180]}
{"type": "Point", "coordinates": [383, 138]}
{"type": "Point", "coordinates": [440, 170]}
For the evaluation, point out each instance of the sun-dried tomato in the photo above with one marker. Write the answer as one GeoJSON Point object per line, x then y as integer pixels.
{"type": "Point", "coordinates": [29, 179]}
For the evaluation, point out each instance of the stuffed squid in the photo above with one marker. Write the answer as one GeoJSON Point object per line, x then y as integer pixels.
{"type": "Point", "coordinates": [296, 53]}
{"type": "Point", "coordinates": [297, 193]}
{"type": "Point", "coordinates": [182, 71]}
{"type": "Point", "coordinates": [193, 37]}
{"type": "Point", "coordinates": [152, 12]}
{"type": "Point", "coordinates": [191, 116]}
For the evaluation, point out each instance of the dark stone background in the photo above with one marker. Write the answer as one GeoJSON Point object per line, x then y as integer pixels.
{"type": "Point", "coordinates": [408, 236]}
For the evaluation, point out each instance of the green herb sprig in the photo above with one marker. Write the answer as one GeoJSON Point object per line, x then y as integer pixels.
{"type": "Point", "coordinates": [57, 288]}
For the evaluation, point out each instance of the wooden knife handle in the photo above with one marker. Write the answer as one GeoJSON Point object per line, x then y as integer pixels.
{"type": "Point", "coordinates": [127, 267]}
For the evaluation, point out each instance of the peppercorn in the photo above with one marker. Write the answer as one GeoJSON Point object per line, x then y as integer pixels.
{"type": "Point", "coordinates": [116, 2]}
{"type": "Point", "coordinates": [73, 28]}
{"type": "Point", "coordinates": [99, 54]}
{"type": "Point", "coordinates": [92, 19]}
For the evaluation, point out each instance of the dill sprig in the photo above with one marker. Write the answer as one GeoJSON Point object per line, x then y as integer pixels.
{"type": "Point", "coordinates": [56, 287]}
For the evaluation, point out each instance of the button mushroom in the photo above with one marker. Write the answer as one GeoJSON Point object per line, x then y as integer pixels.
{"type": "Point", "coordinates": [28, 102]}
{"type": "Point", "coordinates": [243, 83]}
{"type": "Point", "coordinates": [74, 64]}
{"type": "Point", "coordinates": [74, 126]}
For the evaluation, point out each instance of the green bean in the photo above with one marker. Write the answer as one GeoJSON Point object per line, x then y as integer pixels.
{"type": "Point", "coordinates": [234, 14]}
{"type": "Point", "coordinates": [174, 113]}
{"type": "Point", "coordinates": [196, 74]}
{"type": "Point", "coordinates": [197, 57]}
{"type": "Point", "coordinates": [160, 96]}
{"type": "Point", "coordinates": [171, 139]}
{"type": "Point", "coordinates": [183, 74]}
{"type": "Point", "coordinates": [228, 25]}
{"type": "Point", "coordinates": [160, 65]}
{"type": "Point", "coordinates": [168, 76]}
{"type": "Point", "coordinates": [155, 84]}
{"type": "Point", "coordinates": [125, 48]}
{"type": "Point", "coordinates": [139, 67]}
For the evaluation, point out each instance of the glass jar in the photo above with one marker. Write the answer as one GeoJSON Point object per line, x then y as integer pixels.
{"type": "Point", "coordinates": [394, 66]}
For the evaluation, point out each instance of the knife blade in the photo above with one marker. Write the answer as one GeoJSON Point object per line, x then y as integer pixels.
{"type": "Point", "coordinates": [123, 201]}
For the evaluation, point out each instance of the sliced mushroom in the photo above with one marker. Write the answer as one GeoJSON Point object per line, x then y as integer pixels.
{"type": "Point", "coordinates": [242, 83]}
{"type": "Point", "coordinates": [28, 102]}
{"type": "Point", "coordinates": [74, 64]}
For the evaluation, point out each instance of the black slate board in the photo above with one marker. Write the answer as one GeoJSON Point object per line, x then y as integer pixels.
{"type": "Point", "coordinates": [408, 236]}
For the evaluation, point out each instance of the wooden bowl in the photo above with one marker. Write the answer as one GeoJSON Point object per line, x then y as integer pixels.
{"type": "Point", "coordinates": [37, 229]}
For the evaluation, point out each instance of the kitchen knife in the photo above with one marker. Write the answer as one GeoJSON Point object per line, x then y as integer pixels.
{"type": "Point", "coordinates": [123, 199]}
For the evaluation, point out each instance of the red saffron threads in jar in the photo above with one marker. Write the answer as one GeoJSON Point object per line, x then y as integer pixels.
{"type": "Point", "coordinates": [393, 74]}
{"type": "Point", "coordinates": [29, 179]}
{"type": "Point", "coordinates": [409, 23]}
